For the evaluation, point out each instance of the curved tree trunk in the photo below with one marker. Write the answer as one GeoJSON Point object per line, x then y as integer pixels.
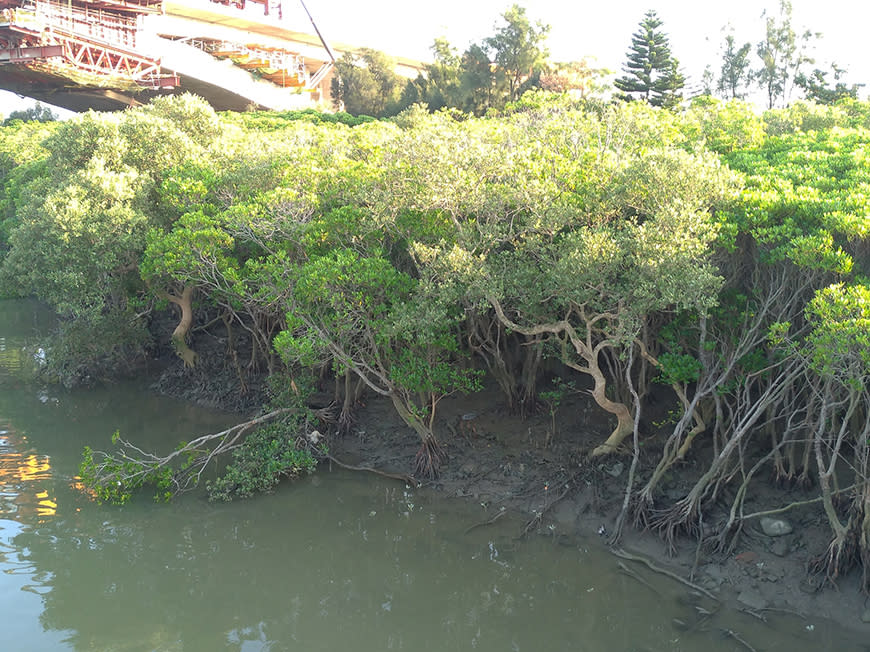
{"type": "Point", "coordinates": [624, 419]}
{"type": "Point", "coordinates": [589, 354]}
{"type": "Point", "coordinates": [418, 425]}
{"type": "Point", "coordinates": [179, 335]}
{"type": "Point", "coordinates": [669, 457]}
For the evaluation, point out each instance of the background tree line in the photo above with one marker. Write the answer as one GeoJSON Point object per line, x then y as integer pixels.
{"type": "Point", "coordinates": [487, 75]}
{"type": "Point", "coordinates": [497, 70]}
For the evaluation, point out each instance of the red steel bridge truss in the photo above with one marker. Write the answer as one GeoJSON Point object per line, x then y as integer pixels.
{"type": "Point", "coordinates": [88, 42]}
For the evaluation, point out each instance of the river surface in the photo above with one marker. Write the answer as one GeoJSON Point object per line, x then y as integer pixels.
{"type": "Point", "coordinates": [336, 561]}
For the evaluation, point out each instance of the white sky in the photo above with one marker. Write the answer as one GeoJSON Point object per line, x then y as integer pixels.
{"type": "Point", "coordinates": [581, 28]}
{"type": "Point", "coordinates": [601, 29]}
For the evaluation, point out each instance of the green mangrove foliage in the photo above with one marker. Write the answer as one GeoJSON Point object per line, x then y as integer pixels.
{"type": "Point", "coordinates": [709, 264]}
{"type": "Point", "coordinates": [78, 227]}
{"type": "Point", "coordinates": [267, 455]}
{"type": "Point", "coordinates": [264, 451]}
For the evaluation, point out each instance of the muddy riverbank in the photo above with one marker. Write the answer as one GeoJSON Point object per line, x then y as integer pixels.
{"type": "Point", "coordinates": [504, 463]}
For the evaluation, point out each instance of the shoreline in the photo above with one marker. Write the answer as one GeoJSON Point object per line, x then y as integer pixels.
{"type": "Point", "coordinates": [504, 461]}
{"type": "Point", "coordinates": [558, 491]}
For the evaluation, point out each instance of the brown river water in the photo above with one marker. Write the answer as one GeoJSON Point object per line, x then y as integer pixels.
{"type": "Point", "coordinates": [335, 561]}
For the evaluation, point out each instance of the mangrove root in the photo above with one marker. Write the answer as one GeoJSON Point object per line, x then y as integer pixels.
{"type": "Point", "coordinates": [842, 554]}
{"type": "Point", "coordinates": [429, 459]}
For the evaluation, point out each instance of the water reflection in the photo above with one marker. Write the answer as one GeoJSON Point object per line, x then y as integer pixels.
{"type": "Point", "coordinates": [10, 358]}
{"type": "Point", "coordinates": [22, 322]}
{"type": "Point", "coordinates": [228, 578]}
{"type": "Point", "coordinates": [22, 472]}
{"type": "Point", "coordinates": [360, 571]}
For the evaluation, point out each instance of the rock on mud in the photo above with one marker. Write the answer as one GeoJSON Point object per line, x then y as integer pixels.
{"type": "Point", "coordinates": [780, 547]}
{"type": "Point", "coordinates": [752, 599]}
{"type": "Point", "coordinates": [775, 527]}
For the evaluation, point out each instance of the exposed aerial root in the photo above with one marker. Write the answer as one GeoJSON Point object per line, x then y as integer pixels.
{"type": "Point", "coordinates": [682, 518]}
{"type": "Point", "coordinates": [726, 539]}
{"type": "Point", "coordinates": [326, 415]}
{"type": "Point", "coordinates": [841, 556]}
{"type": "Point", "coordinates": [345, 422]}
{"type": "Point", "coordinates": [642, 509]}
{"type": "Point", "coordinates": [782, 477]}
{"type": "Point", "coordinates": [804, 480]}
{"type": "Point", "coordinates": [429, 459]}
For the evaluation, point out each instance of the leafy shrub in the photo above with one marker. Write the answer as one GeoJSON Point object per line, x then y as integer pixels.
{"type": "Point", "coordinates": [268, 454]}
{"type": "Point", "coordinates": [275, 120]}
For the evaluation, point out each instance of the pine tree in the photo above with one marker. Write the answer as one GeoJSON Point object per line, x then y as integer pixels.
{"type": "Point", "coordinates": [651, 72]}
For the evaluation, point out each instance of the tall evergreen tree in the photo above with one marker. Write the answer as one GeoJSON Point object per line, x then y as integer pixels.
{"type": "Point", "coordinates": [651, 72]}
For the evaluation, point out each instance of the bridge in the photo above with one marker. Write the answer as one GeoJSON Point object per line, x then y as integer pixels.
{"type": "Point", "coordinates": [110, 54]}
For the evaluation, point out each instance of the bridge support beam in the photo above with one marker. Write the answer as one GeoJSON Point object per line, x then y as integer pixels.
{"type": "Point", "coordinates": [20, 55]}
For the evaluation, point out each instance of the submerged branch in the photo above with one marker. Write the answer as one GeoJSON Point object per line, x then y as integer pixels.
{"type": "Point", "coordinates": [112, 477]}
{"type": "Point", "coordinates": [619, 552]}
{"type": "Point", "coordinates": [386, 474]}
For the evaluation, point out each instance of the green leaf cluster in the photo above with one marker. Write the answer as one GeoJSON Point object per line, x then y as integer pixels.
{"type": "Point", "coordinates": [839, 343]}
{"type": "Point", "coordinates": [77, 217]}
{"type": "Point", "coordinates": [267, 455]}
{"type": "Point", "coordinates": [805, 198]}
{"type": "Point", "coordinates": [116, 481]}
